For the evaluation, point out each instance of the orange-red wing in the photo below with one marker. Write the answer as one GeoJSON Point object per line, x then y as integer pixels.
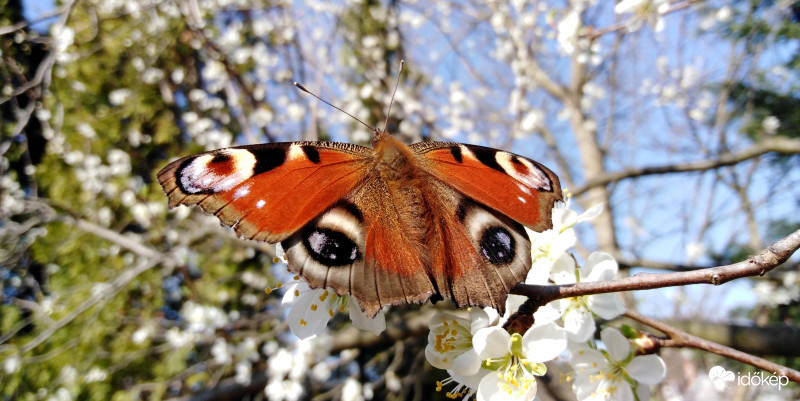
{"type": "Point", "coordinates": [520, 188]}
{"type": "Point", "coordinates": [266, 192]}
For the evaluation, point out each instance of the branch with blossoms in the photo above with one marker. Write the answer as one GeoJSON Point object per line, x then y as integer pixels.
{"type": "Point", "coordinates": [499, 357]}
{"type": "Point", "coordinates": [756, 265]}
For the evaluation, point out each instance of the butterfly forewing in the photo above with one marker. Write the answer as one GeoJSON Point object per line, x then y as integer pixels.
{"type": "Point", "coordinates": [515, 186]}
{"type": "Point", "coordinates": [266, 192]}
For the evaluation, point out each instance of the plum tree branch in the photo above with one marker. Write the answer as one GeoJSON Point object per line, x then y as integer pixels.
{"type": "Point", "coordinates": [756, 265]}
{"type": "Point", "coordinates": [680, 339]}
{"type": "Point", "coordinates": [782, 145]}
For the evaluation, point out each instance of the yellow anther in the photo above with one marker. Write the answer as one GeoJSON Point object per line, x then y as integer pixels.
{"type": "Point", "coordinates": [314, 307]}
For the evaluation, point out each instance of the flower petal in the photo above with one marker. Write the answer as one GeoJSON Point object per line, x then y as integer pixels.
{"type": "Point", "coordinates": [647, 369]}
{"type": "Point", "coordinates": [591, 213]}
{"type": "Point", "coordinates": [292, 289]}
{"type": "Point", "coordinates": [621, 390]}
{"type": "Point", "coordinates": [376, 324]}
{"type": "Point", "coordinates": [617, 345]}
{"type": "Point", "coordinates": [607, 306]}
{"type": "Point", "coordinates": [539, 273]}
{"type": "Point", "coordinates": [600, 266]}
{"type": "Point", "coordinates": [585, 386]}
{"type": "Point", "coordinates": [471, 381]}
{"type": "Point", "coordinates": [305, 322]}
{"type": "Point", "coordinates": [565, 240]}
{"type": "Point", "coordinates": [492, 313]}
{"type": "Point", "coordinates": [546, 314]}
{"type": "Point", "coordinates": [437, 359]}
{"type": "Point", "coordinates": [493, 388]}
{"type": "Point", "coordinates": [586, 359]}
{"type": "Point", "coordinates": [544, 342]}
{"type": "Point", "coordinates": [563, 270]}
{"type": "Point", "coordinates": [579, 324]}
{"type": "Point", "coordinates": [643, 391]}
{"type": "Point", "coordinates": [564, 218]}
{"type": "Point", "coordinates": [479, 319]}
{"type": "Point", "coordinates": [441, 317]}
{"type": "Point", "coordinates": [467, 364]}
{"type": "Point", "coordinates": [491, 342]}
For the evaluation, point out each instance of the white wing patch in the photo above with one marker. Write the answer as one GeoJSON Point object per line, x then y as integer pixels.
{"type": "Point", "coordinates": [217, 172]}
{"type": "Point", "coordinates": [531, 175]}
{"type": "Point", "coordinates": [242, 191]}
{"type": "Point", "coordinates": [295, 151]}
{"type": "Point", "coordinates": [465, 152]}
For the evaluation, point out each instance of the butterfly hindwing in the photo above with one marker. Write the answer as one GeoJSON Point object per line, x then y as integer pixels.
{"type": "Point", "coordinates": [379, 232]}
{"type": "Point", "coordinates": [515, 186]}
{"type": "Point", "coordinates": [478, 253]}
{"type": "Point", "coordinates": [266, 192]}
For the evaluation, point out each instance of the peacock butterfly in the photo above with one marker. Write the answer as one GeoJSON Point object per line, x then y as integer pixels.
{"type": "Point", "coordinates": [389, 225]}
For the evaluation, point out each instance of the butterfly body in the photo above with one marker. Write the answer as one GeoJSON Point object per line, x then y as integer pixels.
{"type": "Point", "coordinates": [389, 225]}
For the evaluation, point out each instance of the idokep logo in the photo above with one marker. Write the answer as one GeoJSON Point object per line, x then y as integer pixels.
{"type": "Point", "coordinates": [722, 378]}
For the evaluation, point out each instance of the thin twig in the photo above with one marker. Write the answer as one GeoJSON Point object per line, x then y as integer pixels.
{"type": "Point", "coordinates": [776, 144]}
{"type": "Point", "coordinates": [681, 339]}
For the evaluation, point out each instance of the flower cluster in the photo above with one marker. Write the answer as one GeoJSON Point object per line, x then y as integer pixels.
{"type": "Point", "coordinates": [614, 373]}
{"type": "Point", "coordinates": [310, 310]}
{"type": "Point", "coordinates": [488, 359]}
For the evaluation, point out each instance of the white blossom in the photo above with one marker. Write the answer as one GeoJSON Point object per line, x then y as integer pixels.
{"type": "Point", "coordinates": [311, 309]}
{"type": "Point", "coordinates": [578, 311]}
{"type": "Point", "coordinates": [550, 244]}
{"type": "Point", "coordinates": [119, 96]}
{"type": "Point", "coordinates": [606, 375]}
{"type": "Point", "coordinates": [450, 341]}
{"type": "Point", "coordinates": [95, 374]}
{"type": "Point", "coordinates": [12, 364]}
{"type": "Point", "coordinates": [515, 360]}
{"type": "Point", "coordinates": [770, 125]}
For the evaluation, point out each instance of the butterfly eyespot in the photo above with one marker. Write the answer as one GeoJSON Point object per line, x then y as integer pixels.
{"type": "Point", "coordinates": [330, 248]}
{"type": "Point", "coordinates": [497, 244]}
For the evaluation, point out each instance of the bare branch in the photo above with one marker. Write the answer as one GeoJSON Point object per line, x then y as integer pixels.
{"type": "Point", "coordinates": [782, 145]}
{"type": "Point", "coordinates": [109, 290]}
{"type": "Point", "coordinates": [119, 239]}
{"type": "Point", "coordinates": [681, 339]}
{"type": "Point", "coordinates": [22, 24]}
{"type": "Point", "coordinates": [757, 340]}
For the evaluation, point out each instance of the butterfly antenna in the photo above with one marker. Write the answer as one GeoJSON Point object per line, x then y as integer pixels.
{"type": "Point", "coordinates": [371, 128]}
{"type": "Point", "coordinates": [396, 84]}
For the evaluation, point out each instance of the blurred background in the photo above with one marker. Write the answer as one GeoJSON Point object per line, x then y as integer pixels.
{"type": "Point", "coordinates": [682, 117]}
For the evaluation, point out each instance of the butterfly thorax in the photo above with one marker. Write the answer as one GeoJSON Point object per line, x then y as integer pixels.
{"type": "Point", "coordinates": [394, 160]}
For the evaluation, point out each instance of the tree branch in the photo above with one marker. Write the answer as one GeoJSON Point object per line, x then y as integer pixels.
{"type": "Point", "coordinates": [681, 339]}
{"type": "Point", "coordinates": [774, 255]}
{"type": "Point", "coordinates": [775, 144]}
